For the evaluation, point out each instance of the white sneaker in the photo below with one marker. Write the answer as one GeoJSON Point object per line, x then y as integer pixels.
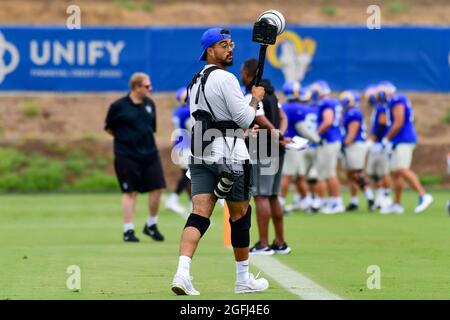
{"type": "Point", "coordinates": [334, 209]}
{"type": "Point", "coordinates": [253, 284]}
{"type": "Point", "coordinates": [379, 202]}
{"type": "Point", "coordinates": [182, 286]}
{"type": "Point", "coordinates": [427, 199]}
{"type": "Point", "coordinates": [305, 204]}
{"type": "Point", "coordinates": [257, 249]}
{"type": "Point", "coordinates": [325, 206]}
{"type": "Point", "coordinates": [316, 203]}
{"type": "Point", "coordinates": [175, 207]}
{"type": "Point", "coordinates": [395, 209]}
{"type": "Point", "coordinates": [387, 201]}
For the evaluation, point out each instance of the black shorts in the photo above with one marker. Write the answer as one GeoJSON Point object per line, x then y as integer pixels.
{"type": "Point", "coordinates": [136, 176]}
{"type": "Point", "coordinates": [204, 179]}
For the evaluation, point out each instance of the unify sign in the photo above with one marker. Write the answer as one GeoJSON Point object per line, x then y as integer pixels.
{"type": "Point", "coordinates": [58, 53]}
{"type": "Point", "coordinates": [73, 53]}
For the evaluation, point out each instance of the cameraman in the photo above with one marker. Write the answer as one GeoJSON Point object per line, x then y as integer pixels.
{"type": "Point", "coordinates": [220, 168]}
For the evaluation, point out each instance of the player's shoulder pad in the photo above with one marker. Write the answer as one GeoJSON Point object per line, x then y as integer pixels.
{"type": "Point", "coordinates": [381, 107]}
{"type": "Point", "coordinates": [398, 99]}
{"type": "Point", "coordinates": [355, 112]}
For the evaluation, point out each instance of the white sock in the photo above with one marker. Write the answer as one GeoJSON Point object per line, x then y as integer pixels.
{"type": "Point", "coordinates": [308, 197]}
{"type": "Point", "coordinates": [387, 192]}
{"type": "Point", "coordinates": [282, 200]}
{"type": "Point", "coordinates": [184, 265]}
{"type": "Point", "coordinates": [242, 268]}
{"type": "Point", "coordinates": [354, 200]}
{"type": "Point", "coordinates": [338, 201]}
{"type": "Point", "coordinates": [297, 197]}
{"type": "Point", "coordinates": [152, 220]}
{"type": "Point", "coordinates": [368, 193]}
{"type": "Point", "coordinates": [380, 192]}
{"type": "Point", "coordinates": [128, 226]}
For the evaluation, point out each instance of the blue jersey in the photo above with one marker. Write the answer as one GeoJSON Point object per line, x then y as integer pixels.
{"type": "Point", "coordinates": [378, 111]}
{"type": "Point", "coordinates": [333, 133]}
{"type": "Point", "coordinates": [355, 114]}
{"type": "Point", "coordinates": [407, 133]}
{"type": "Point", "coordinates": [179, 118]}
{"type": "Point", "coordinates": [310, 120]}
{"type": "Point", "coordinates": [295, 112]}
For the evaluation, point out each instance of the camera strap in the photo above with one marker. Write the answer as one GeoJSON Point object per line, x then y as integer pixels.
{"type": "Point", "coordinates": [221, 125]}
{"type": "Point", "coordinates": [203, 78]}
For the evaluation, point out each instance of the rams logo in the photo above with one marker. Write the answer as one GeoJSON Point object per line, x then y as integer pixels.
{"type": "Point", "coordinates": [294, 56]}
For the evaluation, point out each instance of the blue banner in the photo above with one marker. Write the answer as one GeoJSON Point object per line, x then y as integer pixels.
{"type": "Point", "coordinates": [103, 58]}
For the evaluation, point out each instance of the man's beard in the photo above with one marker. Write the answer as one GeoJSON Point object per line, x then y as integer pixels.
{"type": "Point", "coordinates": [227, 63]}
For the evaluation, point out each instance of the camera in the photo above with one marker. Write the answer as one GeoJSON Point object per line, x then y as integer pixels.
{"type": "Point", "coordinates": [264, 32]}
{"type": "Point", "coordinates": [270, 24]}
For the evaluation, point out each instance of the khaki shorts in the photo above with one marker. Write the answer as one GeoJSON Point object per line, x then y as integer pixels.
{"type": "Point", "coordinates": [378, 164]}
{"type": "Point", "coordinates": [401, 157]}
{"type": "Point", "coordinates": [327, 159]}
{"type": "Point", "coordinates": [309, 159]}
{"type": "Point", "coordinates": [355, 156]}
{"type": "Point", "coordinates": [293, 163]}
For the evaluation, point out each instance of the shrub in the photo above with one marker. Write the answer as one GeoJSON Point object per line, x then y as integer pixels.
{"type": "Point", "coordinates": [447, 116]}
{"type": "Point", "coordinates": [10, 182]}
{"type": "Point", "coordinates": [428, 180]}
{"type": "Point", "coordinates": [328, 10]}
{"type": "Point", "coordinates": [96, 181]}
{"type": "Point", "coordinates": [30, 108]}
{"type": "Point", "coordinates": [100, 163]}
{"type": "Point", "coordinates": [36, 160]}
{"type": "Point", "coordinates": [131, 5]}
{"type": "Point", "coordinates": [397, 7]}
{"type": "Point", "coordinates": [126, 4]}
{"type": "Point", "coordinates": [46, 178]}
{"type": "Point", "coordinates": [11, 160]}
{"type": "Point", "coordinates": [147, 5]}
{"type": "Point", "coordinates": [75, 166]}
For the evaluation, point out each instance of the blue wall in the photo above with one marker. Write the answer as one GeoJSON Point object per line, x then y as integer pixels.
{"type": "Point", "coordinates": [103, 58]}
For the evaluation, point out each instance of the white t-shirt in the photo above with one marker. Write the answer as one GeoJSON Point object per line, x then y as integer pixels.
{"type": "Point", "coordinates": [227, 102]}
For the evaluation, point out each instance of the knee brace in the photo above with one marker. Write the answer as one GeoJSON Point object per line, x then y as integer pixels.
{"type": "Point", "coordinates": [198, 222]}
{"type": "Point", "coordinates": [240, 230]}
{"type": "Point", "coordinates": [312, 181]}
{"type": "Point", "coordinates": [375, 178]}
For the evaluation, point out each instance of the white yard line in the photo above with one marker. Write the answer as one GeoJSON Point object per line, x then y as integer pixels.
{"type": "Point", "coordinates": [292, 280]}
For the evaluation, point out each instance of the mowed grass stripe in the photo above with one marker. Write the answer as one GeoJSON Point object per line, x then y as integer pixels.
{"type": "Point", "coordinates": [293, 281]}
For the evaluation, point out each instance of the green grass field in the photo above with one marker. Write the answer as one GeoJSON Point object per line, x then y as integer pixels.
{"type": "Point", "coordinates": [41, 235]}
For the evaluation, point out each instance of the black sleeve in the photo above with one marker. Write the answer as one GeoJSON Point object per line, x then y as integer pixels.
{"type": "Point", "coordinates": [152, 105]}
{"type": "Point", "coordinates": [111, 117]}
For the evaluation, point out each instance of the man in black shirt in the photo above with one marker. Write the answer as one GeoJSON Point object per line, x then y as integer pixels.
{"type": "Point", "coordinates": [131, 120]}
{"type": "Point", "coordinates": [266, 182]}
